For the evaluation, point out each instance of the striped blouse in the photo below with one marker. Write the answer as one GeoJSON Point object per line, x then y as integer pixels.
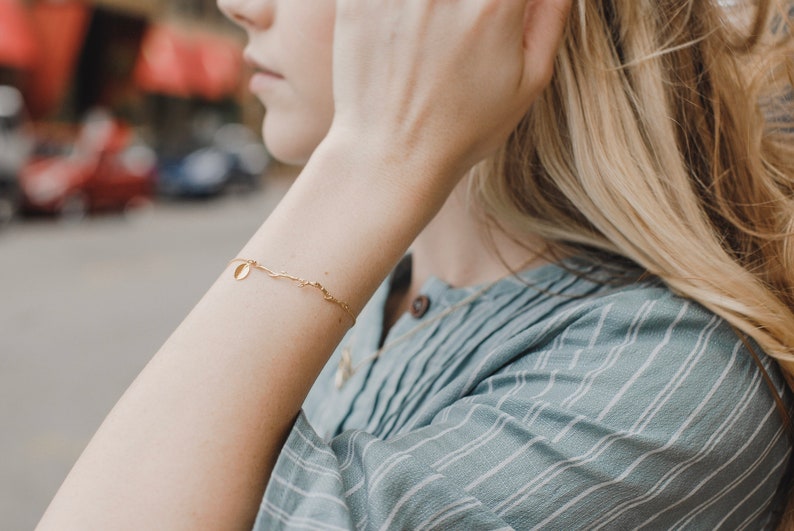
{"type": "Point", "coordinates": [558, 399]}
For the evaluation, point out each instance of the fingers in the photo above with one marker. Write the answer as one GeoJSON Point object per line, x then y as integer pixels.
{"type": "Point", "coordinates": [545, 22]}
{"type": "Point", "coordinates": [451, 76]}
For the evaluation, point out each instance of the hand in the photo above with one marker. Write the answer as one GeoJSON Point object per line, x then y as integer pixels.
{"type": "Point", "coordinates": [442, 81]}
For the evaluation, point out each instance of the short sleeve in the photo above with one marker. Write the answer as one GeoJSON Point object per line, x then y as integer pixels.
{"type": "Point", "coordinates": [360, 482]}
{"type": "Point", "coordinates": [663, 422]}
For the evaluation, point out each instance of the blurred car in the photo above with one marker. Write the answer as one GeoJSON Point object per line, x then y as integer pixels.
{"type": "Point", "coordinates": [235, 159]}
{"type": "Point", "coordinates": [106, 169]}
{"type": "Point", "coordinates": [15, 146]}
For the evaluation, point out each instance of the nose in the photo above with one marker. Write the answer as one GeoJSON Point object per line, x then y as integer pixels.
{"type": "Point", "coordinates": [249, 14]}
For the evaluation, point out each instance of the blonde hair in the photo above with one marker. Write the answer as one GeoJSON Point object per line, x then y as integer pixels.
{"type": "Point", "coordinates": [653, 143]}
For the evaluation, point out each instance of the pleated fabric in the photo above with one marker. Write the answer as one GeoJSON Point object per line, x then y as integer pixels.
{"type": "Point", "coordinates": [559, 399]}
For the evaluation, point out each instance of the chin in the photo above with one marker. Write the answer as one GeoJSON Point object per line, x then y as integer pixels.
{"type": "Point", "coordinates": [291, 146]}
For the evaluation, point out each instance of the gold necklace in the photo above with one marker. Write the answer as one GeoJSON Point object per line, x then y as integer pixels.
{"type": "Point", "coordinates": [346, 369]}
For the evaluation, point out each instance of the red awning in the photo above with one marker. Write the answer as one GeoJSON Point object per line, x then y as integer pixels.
{"type": "Point", "coordinates": [221, 66]}
{"type": "Point", "coordinates": [180, 63]}
{"type": "Point", "coordinates": [61, 28]}
{"type": "Point", "coordinates": [18, 48]}
{"type": "Point", "coordinates": [166, 62]}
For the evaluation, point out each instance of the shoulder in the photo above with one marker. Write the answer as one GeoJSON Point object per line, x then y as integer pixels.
{"type": "Point", "coordinates": [621, 352]}
{"type": "Point", "coordinates": [638, 357]}
{"type": "Point", "coordinates": [640, 316]}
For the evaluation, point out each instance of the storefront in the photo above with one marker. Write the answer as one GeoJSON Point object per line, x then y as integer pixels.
{"type": "Point", "coordinates": [157, 66]}
{"type": "Point", "coordinates": [19, 50]}
{"type": "Point", "coordinates": [69, 55]}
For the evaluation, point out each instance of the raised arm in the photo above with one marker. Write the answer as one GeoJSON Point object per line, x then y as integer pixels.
{"type": "Point", "coordinates": [423, 90]}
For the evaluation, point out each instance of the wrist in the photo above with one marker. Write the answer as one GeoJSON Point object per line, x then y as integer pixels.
{"type": "Point", "coordinates": [348, 218]}
{"type": "Point", "coordinates": [405, 174]}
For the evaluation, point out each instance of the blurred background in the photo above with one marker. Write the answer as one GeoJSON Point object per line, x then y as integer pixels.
{"type": "Point", "coordinates": [131, 170]}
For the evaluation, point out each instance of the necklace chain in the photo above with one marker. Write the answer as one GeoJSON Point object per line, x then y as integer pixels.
{"type": "Point", "coordinates": [346, 369]}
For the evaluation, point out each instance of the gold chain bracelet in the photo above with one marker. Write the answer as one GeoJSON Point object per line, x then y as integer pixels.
{"type": "Point", "coordinates": [242, 271]}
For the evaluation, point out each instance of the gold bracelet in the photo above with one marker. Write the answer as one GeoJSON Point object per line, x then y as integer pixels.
{"type": "Point", "coordinates": [242, 271]}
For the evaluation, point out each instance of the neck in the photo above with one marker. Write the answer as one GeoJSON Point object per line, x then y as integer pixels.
{"type": "Point", "coordinates": [460, 248]}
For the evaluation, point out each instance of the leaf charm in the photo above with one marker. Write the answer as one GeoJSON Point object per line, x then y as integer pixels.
{"type": "Point", "coordinates": [345, 369]}
{"type": "Point", "coordinates": [242, 271]}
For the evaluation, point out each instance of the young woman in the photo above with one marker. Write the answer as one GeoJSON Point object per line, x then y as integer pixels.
{"type": "Point", "coordinates": [592, 326]}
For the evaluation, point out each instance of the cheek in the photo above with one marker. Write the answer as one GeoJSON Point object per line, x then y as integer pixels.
{"type": "Point", "coordinates": [292, 135]}
{"type": "Point", "coordinates": [295, 125]}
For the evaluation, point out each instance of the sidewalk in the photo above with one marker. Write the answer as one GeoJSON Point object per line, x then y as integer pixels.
{"type": "Point", "coordinates": [83, 309]}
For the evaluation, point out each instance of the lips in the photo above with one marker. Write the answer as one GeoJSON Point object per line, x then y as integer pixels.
{"type": "Point", "coordinates": [267, 72]}
{"type": "Point", "coordinates": [265, 78]}
{"type": "Point", "coordinates": [260, 67]}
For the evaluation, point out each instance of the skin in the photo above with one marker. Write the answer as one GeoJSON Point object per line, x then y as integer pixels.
{"type": "Point", "coordinates": [294, 41]}
{"type": "Point", "coordinates": [192, 442]}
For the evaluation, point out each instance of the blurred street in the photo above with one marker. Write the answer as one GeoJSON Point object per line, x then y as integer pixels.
{"type": "Point", "coordinates": [84, 307]}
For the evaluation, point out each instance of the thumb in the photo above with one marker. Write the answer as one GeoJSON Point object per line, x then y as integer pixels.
{"type": "Point", "coordinates": [545, 22]}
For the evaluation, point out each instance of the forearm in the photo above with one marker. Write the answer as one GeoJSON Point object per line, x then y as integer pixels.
{"type": "Point", "coordinates": [193, 440]}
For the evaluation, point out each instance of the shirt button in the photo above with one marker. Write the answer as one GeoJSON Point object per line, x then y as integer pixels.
{"type": "Point", "coordinates": [419, 306]}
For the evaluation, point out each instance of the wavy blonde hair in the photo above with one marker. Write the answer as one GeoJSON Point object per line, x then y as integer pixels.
{"type": "Point", "coordinates": [656, 141]}
{"type": "Point", "coordinates": [652, 143]}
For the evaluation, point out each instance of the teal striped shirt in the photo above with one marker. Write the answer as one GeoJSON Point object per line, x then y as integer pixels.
{"type": "Point", "coordinates": [556, 400]}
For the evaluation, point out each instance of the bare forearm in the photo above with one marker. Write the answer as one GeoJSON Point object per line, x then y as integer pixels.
{"type": "Point", "coordinates": [194, 439]}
